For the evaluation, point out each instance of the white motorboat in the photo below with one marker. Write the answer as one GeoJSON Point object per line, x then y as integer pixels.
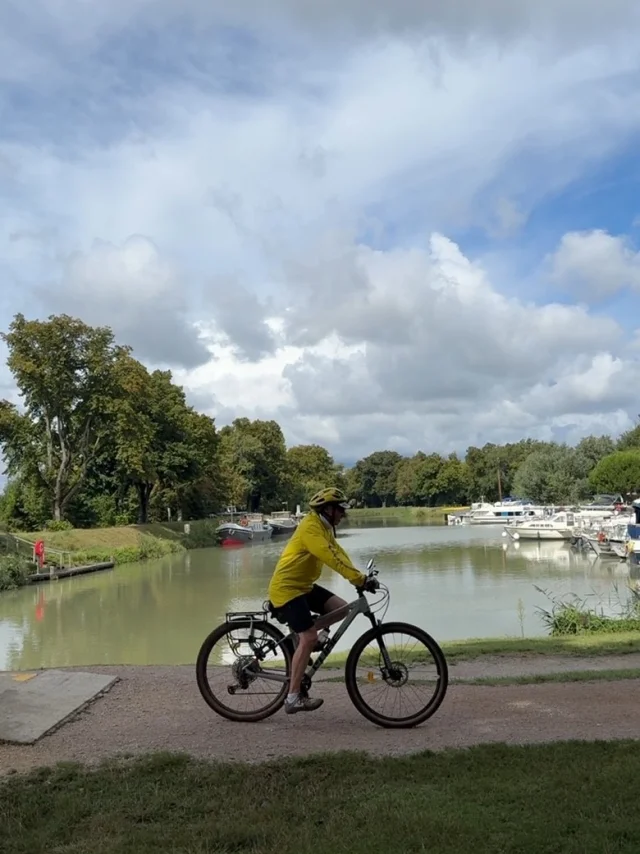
{"type": "Point", "coordinates": [485, 513]}
{"type": "Point", "coordinates": [560, 526]}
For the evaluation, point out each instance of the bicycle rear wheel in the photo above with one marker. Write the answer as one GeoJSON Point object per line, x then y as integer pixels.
{"type": "Point", "coordinates": [368, 678]}
{"type": "Point", "coordinates": [231, 665]}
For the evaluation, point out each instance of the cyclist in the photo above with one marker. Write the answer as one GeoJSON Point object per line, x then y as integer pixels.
{"type": "Point", "coordinates": [294, 593]}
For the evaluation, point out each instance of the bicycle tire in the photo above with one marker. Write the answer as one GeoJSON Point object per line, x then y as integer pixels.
{"type": "Point", "coordinates": [356, 697]}
{"type": "Point", "coordinates": [203, 683]}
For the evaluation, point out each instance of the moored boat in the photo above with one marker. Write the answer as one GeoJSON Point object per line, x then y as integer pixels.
{"type": "Point", "coordinates": [251, 528]}
{"type": "Point", "coordinates": [282, 523]}
{"type": "Point", "coordinates": [560, 526]}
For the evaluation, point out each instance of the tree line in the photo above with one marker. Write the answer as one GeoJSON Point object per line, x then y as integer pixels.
{"type": "Point", "coordinates": [100, 440]}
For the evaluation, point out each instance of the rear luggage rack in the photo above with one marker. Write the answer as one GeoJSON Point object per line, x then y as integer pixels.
{"type": "Point", "coordinates": [244, 616]}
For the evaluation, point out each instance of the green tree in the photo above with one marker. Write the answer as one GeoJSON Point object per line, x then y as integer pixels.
{"type": "Point", "coordinates": [64, 371]}
{"type": "Point", "coordinates": [373, 480]}
{"type": "Point", "coordinates": [618, 472]}
{"type": "Point", "coordinates": [630, 439]}
{"type": "Point", "coordinates": [310, 468]}
{"type": "Point", "coordinates": [254, 458]}
{"type": "Point", "coordinates": [595, 448]}
{"type": "Point", "coordinates": [162, 447]}
{"type": "Point", "coordinates": [408, 480]}
{"type": "Point", "coordinates": [451, 486]}
{"type": "Point", "coordinates": [24, 505]}
{"type": "Point", "coordinates": [492, 468]}
{"type": "Point", "coordinates": [555, 475]}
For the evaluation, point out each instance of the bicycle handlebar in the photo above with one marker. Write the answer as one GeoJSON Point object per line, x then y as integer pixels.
{"type": "Point", "coordinates": [371, 584]}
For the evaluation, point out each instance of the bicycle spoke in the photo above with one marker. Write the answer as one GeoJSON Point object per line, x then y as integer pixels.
{"type": "Point", "coordinates": [395, 677]}
{"type": "Point", "coordinates": [231, 669]}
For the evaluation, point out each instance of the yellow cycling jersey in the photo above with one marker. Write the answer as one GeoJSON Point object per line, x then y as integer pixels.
{"type": "Point", "coordinates": [312, 545]}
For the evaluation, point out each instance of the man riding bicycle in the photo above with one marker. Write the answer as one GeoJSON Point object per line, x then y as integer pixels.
{"type": "Point", "coordinates": [294, 593]}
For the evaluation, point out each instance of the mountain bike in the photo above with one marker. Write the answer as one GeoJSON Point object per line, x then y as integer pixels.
{"type": "Point", "coordinates": [373, 666]}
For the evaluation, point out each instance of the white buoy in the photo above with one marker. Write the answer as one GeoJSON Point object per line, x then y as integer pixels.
{"type": "Point", "coordinates": [516, 536]}
{"type": "Point", "coordinates": [504, 533]}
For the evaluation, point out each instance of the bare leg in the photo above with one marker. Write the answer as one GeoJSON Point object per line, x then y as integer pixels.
{"type": "Point", "coordinates": [335, 610]}
{"type": "Point", "coordinates": [306, 642]}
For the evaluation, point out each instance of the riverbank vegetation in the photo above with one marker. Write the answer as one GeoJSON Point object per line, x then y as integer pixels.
{"type": "Point", "coordinates": [120, 545]}
{"type": "Point", "coordinates": [404, 514]}
{"type": "Point", "coordinates": [98, 441]}
{"type": "Point", "coordinates": [575, 615]}
{"type": "Point", "coordinates": [618, 643]}
{"type": "Point", "coordinates": [574, 797]}
{"type": "Point", "coordinates": [14, 571]}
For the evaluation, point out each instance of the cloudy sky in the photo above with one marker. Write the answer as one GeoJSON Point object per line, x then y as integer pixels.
{"type": "Point", "coordinates": [387, 225]}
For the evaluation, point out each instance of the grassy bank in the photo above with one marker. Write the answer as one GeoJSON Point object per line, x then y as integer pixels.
{"type": "Point", "coordinates": [562, 676]}
{"type": "Point", "coordinates": [575, 798]}
{"type": "Point", "coordinates": [618, 643]}
{"type": "Point", "coordinates": [414, 514]}
{"type": "Point", "coordinates": [125, 544]}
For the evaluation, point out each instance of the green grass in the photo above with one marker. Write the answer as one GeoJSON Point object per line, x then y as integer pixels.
{"type": "Point", "coordinates": [125, 544]}
{"type": "Point", "coordinates": [590, 644]}
{"type": "Point", "coordinates": [414, 513]}
{"type": "Point", "coordinates": [565, 798]}
{"type": "Point", "coordinates": [564, 676]}
{"type": "Point", "coordinates": [579, 645]}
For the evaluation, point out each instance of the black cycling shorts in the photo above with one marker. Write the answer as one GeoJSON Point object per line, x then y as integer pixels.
{"type": "Point", "coordinates": [296, 613]}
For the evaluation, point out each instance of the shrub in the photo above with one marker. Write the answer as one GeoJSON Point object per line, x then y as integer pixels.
{"type": "Point", "coordinates": [573, 616]}
{"type": "Point", "coordinates": [58, 525]}
{"type": "Point", "coordinates": [14, 572]}
{"type": "Point", "coordinates": [203, 533]}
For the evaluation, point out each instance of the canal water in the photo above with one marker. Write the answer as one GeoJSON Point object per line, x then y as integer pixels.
{"type": "Point", "coordinates": [456, 582]}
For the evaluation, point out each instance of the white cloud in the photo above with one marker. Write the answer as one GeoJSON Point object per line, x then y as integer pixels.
{"type": "Point", "coordinates": [471, 363]}
{"type": "Point", "coordinates": [136, 292]}
{"type": "Point", "coordinates": [596, 264]}
{"type": "Point", "coordinates": [208, 198]}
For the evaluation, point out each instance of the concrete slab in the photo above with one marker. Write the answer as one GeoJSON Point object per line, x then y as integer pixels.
{"type": "Point", "coordinates": [32, 704]}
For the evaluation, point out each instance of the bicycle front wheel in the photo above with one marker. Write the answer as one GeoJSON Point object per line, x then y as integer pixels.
{"type": "Point", "coordinates": [396, 675]}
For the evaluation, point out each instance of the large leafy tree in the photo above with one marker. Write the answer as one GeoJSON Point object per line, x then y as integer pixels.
{"type": "Point", "coordinates": [618, 472]}
{"type": "Point", "coordinates": [630, 439]}
{"type": "Point", "coordinates": [432, 480]}
{"type": "Point", "coordinates": [310, 468]}
{"type": "Point", "coordinates": [254, 463]}
{"type": "Point", "coordinates": [373, 480]}
{"type": "Point", "coordinates": [492, 469]}
{"type": "Point", "coordinates": [64, 371]}
{"type": "Point", "coordinates": [595, 448]}
{"type": "Point", "coordinates": [161, 446]}
{"type": "Point", "coordinates": [555, 475]}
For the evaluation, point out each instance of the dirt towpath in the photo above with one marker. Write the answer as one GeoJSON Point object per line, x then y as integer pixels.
{"type": "Point", "coordinates": [159, 708]}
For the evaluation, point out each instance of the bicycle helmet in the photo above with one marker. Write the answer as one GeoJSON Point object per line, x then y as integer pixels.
{"type": "Point", "coordinates": [330, 495]}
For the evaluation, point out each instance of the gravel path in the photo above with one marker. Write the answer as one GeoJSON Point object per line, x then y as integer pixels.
{"type": "Point", "coordinates": [159, 708]}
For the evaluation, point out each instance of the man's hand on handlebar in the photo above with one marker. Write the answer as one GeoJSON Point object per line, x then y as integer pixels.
{"type": "Point", "coordinates": [370, 585]}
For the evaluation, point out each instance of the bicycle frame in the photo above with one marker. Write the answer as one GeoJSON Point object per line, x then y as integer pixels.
{"type": "Point", "coordinates": [358, 606]}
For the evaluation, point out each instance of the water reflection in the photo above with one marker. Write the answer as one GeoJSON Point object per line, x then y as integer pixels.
{"type": "Point", "coordinates": [456, 582]}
